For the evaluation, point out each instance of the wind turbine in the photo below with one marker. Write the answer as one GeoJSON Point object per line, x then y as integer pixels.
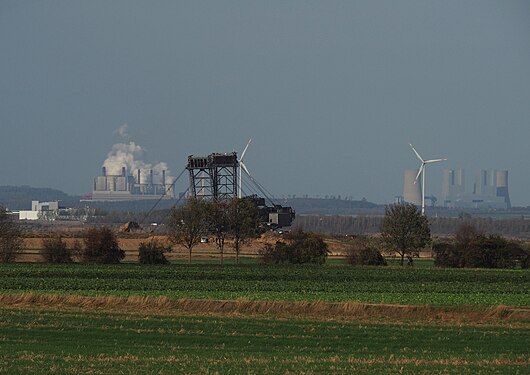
{"type": "Point", "coordinates": [422, 172]}
{"type": "Point", "coordinates": [242, 167]}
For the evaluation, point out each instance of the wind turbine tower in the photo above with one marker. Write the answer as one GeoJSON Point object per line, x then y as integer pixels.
{"type": "Point", "coordinates": [242, 167]}
{"type": "Point", "coordinates": [422, 172]}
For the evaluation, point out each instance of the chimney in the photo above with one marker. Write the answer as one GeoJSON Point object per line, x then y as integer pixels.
{"type": "Point", "coordinates": [164, 177]}
{"type": "Point", "coordinates": [139, 177]}
{"type": "Point", "coordinates": [151, 177]}
{"type": "Point", "coordinates": [123, 171]}
{"type": "Point", "coordinates": [104, 171]}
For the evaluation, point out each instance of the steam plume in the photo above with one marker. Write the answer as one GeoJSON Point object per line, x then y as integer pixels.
{"type": "Point", "coordinates": [130, 155]}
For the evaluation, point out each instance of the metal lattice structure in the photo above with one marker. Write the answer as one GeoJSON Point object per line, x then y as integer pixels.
{"type": "Point", "coordinates": [213, 177]}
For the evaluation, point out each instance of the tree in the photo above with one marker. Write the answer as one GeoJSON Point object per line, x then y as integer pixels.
{"type": "Point", "coordinates": [55, 250]}
{"type": "Point", "coordinates": [10, 241]}
{"type": "Point", "coordinates": [301, 247]}
{"type": "Point", "coordinates": [220, 225]}
{"type": "Point", "coordinates": [362, 252]}
{"type": "Point", "coordinates": [405, 231]}
{"type": "Point", "coordinates": [153, 252]}
{"type": "Point", "coordinates": [243, 223]}
{"type": "Point", "coordinates": [188, 223]}
{"type": "Point", "coordinates": [100, 245]}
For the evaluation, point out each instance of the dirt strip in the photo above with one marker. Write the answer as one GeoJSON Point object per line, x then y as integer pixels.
{"type": "Point", "coordinates": [308, 309]}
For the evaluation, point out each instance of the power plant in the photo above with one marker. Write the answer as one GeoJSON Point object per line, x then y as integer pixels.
{"type": "Point", "coordinates": [490, 190]}
{"type": "Point", "coordinates": [143, 184]}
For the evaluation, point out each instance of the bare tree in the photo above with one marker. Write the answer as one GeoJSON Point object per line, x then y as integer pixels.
{"type": "Point", "coordinates": [10, 241]}
{"type": "Point", "coordinates": [220, 225]}
{"type": "Point", "coordinates": [405, 231]}
{"type": "Point", "coordinates": [244, 223]}
{"type": "Point", "coordinates": [188, 223]}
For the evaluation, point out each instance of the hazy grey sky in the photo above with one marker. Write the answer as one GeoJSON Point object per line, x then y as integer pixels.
{"type": "Point", "coordinates": [331, 92]}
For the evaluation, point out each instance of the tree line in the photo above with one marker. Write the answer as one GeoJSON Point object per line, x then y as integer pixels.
{"type": "Point", "coordinates": [403, 231]}
{"type": "Point", "coordinates": [443, 226]}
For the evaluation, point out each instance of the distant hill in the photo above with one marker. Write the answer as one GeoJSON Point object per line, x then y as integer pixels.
{"type": "Point", "coordinates": [20, 197]}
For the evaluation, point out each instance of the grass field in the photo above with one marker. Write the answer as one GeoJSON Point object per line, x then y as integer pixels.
{"type": "Point", "coordinates": [37, 341]}
{"type": "Point", "coordinates": [134, 319]}
{"type": "Point", "coordinates": [431, 286]}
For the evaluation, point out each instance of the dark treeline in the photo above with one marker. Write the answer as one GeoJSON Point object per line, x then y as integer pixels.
{"type": "Point", "coordinates": [342, 225]}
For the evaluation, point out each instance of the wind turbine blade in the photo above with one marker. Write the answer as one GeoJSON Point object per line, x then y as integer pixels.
{"type": "Point", "coordinates": [244, 167]}
{"type": "Point", "coordinates": [416, 152]}
{"type": "Point", "coordinates": [435, 160]}
{"type": "Point", "coordinates": [419, 172]}
{"type": "Point", "coordinates": [245, 150]}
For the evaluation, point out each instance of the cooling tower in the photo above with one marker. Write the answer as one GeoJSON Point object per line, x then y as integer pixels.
{"type": "Point", "coordinates": [501, 183]}
{"type": "Point", "coordinates": [486, 183]}
{"type": "Point", "coordinates": [452, 184]}
{"type": "Point", "coordinates": [411, 189]}
{"type": "Point", "coordinates": [100, 183]}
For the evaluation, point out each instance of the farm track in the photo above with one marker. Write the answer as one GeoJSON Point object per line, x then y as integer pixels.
{"type": "Point", "coordinates": [319, 310]}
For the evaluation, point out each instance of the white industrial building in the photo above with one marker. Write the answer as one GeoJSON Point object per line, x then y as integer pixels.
{"type": "Point", "coordinates": [40, 210]}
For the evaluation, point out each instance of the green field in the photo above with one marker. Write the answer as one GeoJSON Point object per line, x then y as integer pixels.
{"type": "Point", "coordinates": [42, 342]}
{"type": "Point", "coordinates": [96, 319]}
{"type": "Point", "coordinates": [432, 286]}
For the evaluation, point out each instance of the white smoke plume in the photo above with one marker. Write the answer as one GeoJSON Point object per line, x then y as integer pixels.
{"type": "Point", "coordinates": [123, 131]}
{"type": "Point", "coordinates": [130, 155]}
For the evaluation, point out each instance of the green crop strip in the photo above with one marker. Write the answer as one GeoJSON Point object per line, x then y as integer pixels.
{"type": "Point", "coordinates": [260, 282]}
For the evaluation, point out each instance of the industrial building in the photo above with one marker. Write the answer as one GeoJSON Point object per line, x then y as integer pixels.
{"type": "Point", "coordinates": [40, 211]}
{"type": "Point", "coordinates": [490, 190]}
{"type": "Point", "coordinates": [143, 184]}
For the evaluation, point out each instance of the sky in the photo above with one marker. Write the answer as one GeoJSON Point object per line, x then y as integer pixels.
{"type": "Point", "coordinates": [331, 92]}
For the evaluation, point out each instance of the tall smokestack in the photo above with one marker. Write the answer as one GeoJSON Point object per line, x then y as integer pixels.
{"type": "Point", "coordinates": [164, 178]}
{"type": "Point", "coordinates": [123, 171]}
{"type": "Point", "coordinates": [103, 171]}
{"type": "Point", "coordinates": [139, 173]}
{"type": "Point", "coordinates": [151, 177]}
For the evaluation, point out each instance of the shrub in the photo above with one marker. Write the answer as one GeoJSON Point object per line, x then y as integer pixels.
{"type": "Point", "coordinates": [152, 252]}
{"type": "Point", "coordinates": [100, 245]}
{"type": "Point", "coordinates": [55, 250]}
{"type": "Point", "coordinates": [525, 260]}
{"type": "Point", "coordinates": [302, 247]}
{"type": "Point", "coordinates": [471, 249]}
{"type": "Point", "coordinates": [363, 253]}
{"type": "Point", "coordinates": [446, 255]}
